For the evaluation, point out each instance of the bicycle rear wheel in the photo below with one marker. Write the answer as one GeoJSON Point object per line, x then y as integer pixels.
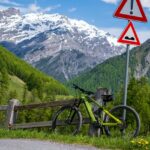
{"type": "Point", "coordinates": [130, 126]}
{"type": "Point", "coordinates": [67, 120]}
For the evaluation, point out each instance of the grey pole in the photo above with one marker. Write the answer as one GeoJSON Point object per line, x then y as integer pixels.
{"type": "Point", "coordinates": [126, 75]}
{"type": "Point", "coordinates": [126, 81]}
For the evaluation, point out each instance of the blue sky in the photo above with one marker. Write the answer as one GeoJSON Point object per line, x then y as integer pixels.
{"type": "Point", "coordinates": [96, 12]}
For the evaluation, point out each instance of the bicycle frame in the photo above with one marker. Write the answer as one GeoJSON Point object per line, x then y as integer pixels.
{"type": "Point", "coordinates": [88, 106]}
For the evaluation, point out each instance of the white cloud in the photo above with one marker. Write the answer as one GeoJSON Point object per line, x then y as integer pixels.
{"type": "Point", "coordinates": [143, 34]}
{"type": "Point", "coordinates": [145, 3]}
{"type": "Point", "coordinates": [35, 8]}
{"type": "Point", "coordinates": [50, 8]}
{"type": "Point", "coordinates": [73, 9]}
{"type": "Point", "coordinates": [8, 2]}
{"type": "Point", "coordinates": [110, 1]}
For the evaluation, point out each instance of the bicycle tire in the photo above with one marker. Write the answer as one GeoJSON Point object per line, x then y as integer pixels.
{"type": "Point", "coordinates": [123, 129]}
{"type": "Point", "coordinates": [68, 126]}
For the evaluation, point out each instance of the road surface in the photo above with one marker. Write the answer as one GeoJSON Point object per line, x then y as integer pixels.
{"type": "Point", "coordinates": [24, 144]}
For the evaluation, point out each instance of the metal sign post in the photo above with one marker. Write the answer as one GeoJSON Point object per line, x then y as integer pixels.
{"type": "Point", "coordinates": [130, 10]}
{"type": "Point", "coordinates": [126, 75]}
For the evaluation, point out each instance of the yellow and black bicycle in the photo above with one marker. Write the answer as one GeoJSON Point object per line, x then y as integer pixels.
{"type": "Point", "coordinates": [119, 121]}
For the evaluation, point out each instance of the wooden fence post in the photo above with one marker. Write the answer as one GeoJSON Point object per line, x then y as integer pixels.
{"type": "Point", "coordinates": [93, 130]}
{"type": "Point", "coordinates": [98, 96]}
{"type": "Point", "coordinates": [11, 114]}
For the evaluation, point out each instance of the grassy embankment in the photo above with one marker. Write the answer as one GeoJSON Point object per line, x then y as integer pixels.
{"type": "Point", "coordinates": [99, 142]}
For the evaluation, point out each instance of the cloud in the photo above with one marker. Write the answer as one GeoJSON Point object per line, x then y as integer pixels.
{"type": "Point", "coordinates": [31, 8]}
{"type": "Point", "coordinates": [110, 1]}
{"type": "Point", "coordinates": [145, 3]}
{"type": "Point", "coordinates": [35, 8]}
{"type": "Point", "coordinates": [8, 2]}
{"type": "Point", "coordinates": [143, 34]}
{"type": "Point", "coordinates": [50, 8]}
{"type": "Point", "coordinates": [73, 9]}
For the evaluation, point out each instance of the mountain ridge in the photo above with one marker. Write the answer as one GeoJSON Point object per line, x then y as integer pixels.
{"type": "Point", "coordinates": [111, 73]}
{"type": "Point", "coordinates": [36, 36]}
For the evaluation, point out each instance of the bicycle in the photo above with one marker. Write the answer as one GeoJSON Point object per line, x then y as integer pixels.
{"type": "Point", "coordinates": [69, 119]}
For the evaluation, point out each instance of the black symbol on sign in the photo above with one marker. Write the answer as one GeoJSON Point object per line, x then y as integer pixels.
{"type": "Point", "coordinates": [132, 2]}
{"type": "Point", "coordinates": [129, 38]}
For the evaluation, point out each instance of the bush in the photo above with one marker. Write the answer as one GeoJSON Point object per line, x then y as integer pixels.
{"type": "Point", "coordinates": [139, 98]}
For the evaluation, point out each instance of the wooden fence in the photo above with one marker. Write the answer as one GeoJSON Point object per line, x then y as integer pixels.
{"type": "Point", "coordinates": [14, 106]}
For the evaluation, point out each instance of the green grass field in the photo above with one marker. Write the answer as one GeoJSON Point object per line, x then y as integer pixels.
{"type": "Point", "coordinates": [17, 85]}
{"type": "Point", "coordinates": [99, 142]}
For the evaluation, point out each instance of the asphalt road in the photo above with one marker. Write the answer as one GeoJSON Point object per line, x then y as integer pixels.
{"type": "Point", "coordinates": [23, 144]}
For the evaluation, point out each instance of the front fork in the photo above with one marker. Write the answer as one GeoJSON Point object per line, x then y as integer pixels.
{"type": "Point", "coordinates": [72, 114]}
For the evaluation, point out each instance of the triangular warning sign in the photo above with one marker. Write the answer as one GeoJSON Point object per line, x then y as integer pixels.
{"type": "Point", "coordinates": [129, 35]}
{"type": "Point", "coordinates": [131, 10]}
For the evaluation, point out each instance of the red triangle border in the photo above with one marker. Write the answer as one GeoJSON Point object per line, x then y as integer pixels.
{"type": "Point", "coordinates": [129, 17]}
{"type": "Point", "coordinates": [121, 40]}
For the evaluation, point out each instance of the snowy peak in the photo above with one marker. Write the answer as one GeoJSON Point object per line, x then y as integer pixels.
{"type": "Point", "coordinates": [58, 45]}
{"type": "Point", "coordinates": [9, 12]}
{"type": "Point", "coordinates": [32, 24]}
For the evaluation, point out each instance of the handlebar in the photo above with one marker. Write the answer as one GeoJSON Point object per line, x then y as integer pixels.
{"type": "Point", "coordinates": [82, 90]}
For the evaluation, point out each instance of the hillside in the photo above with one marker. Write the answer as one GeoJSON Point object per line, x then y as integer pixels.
{"type": "Point", "coordinates": [110, 74]}
{"type": "Point", "coordinates": [20, 80]}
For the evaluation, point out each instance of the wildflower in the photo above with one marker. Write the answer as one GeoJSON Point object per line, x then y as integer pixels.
{"type": "Point", "coordinates": [132, 141]}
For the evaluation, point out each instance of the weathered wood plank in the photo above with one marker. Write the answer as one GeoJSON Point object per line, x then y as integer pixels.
{"type": "Point", "coordinates": [3, 107]}
{"type": "Point", "coordinates": [32, 125]}
{"type": "Point", "coordinates": [45, 105]}
{"type": "Point", "coordinates": [43, 124]}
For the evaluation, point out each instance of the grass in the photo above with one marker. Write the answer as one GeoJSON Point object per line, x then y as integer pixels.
{"type": "Point", "coordinates": [17, 85]}
{"type": "Point", "coordinates": [99, 142]}
{"type": "Point", "coordinates": [63, 97]}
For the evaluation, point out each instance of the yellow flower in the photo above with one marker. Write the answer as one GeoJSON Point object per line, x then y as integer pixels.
{"type": "Point", "coordinates": [132, 141]}
{"type": "Point", "coordinates": [146, 142]}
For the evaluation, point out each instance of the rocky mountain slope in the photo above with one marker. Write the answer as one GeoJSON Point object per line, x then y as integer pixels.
{"type": "Point", "coordinates": [111, 73]}
{"type": "Point", "coordinates": [60, 46]}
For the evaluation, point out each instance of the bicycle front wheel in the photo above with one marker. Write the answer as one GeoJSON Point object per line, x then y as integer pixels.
{"type": "Point", "coordinates": [68, 120]}
{"type": "Point", "coordinates": [130, 126]}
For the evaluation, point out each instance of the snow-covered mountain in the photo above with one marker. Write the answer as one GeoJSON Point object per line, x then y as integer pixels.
{"type": "Point", "coordinates": [56, 44]}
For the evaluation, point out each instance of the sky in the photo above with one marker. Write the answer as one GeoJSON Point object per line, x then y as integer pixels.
{"type": "Point", "coordinates": [95, 12]}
